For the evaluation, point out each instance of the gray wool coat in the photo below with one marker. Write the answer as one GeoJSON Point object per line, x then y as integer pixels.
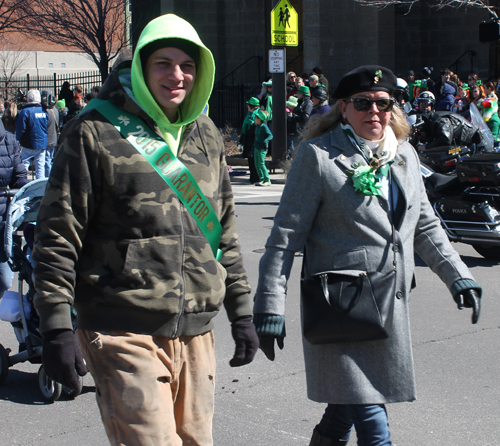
{"type": "Point", "coordinates": [345, 230]}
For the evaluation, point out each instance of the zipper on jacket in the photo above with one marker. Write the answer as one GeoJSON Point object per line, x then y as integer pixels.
{"type": "Point", "coordinates": [183, 283]}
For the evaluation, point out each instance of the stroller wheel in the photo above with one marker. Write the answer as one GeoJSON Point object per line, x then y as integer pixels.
{"type": "Point", "coordinates": [51, 390]}
{"type": "Point", "coordinates": [4, 364]}
{"type": "Point", "coordinates": [71, 393]}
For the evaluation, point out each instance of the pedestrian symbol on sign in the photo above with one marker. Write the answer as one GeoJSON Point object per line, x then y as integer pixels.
{"type": "Point", "coordinates": [284, 25]}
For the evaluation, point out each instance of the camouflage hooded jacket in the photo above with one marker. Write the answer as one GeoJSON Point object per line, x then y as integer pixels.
{"type": "Point", "coordinates": [115, 240]}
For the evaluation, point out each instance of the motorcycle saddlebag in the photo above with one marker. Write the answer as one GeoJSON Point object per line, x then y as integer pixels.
{"type": "Point", "coordinates": [482, 169]}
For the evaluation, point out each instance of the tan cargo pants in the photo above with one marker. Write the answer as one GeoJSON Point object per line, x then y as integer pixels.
{"type": "Point", "coordinates": [152, 390]}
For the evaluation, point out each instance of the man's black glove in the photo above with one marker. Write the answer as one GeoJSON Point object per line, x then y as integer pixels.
{"type": "Point", "coordinates": [62, 358]}
{"type": "Point", "coordinates": [246, 339]}
{"type": "Point", "coordinates": [469, 298]}
{"type": "Point", "coordinates": [267, 345]}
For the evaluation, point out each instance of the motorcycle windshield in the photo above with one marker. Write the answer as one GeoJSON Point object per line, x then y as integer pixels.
{"type": "Point", "coordinates": [487, 139]}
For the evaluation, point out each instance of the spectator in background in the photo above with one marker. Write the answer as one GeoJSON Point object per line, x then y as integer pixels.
{"type": "Point", "coordinates": [426, 78]}
{"type": "Point", "coordinates": [66, 93]}
{"type": "Point", "coordinates": [247, 137]}
{"type": "Point", "coordinates": [446, 99]}
{"type": "Point", "coordinates": [301, 114]}
{"type": "Point", "coordinates": [75, 107]}
{"type": "Point", "coordinates": [445, 79]}
{"type": "Point", "coordinates": [472, 79]}
{"type": "Point", "coordinates": [476, 93]}
{"type": "Point", "coordinates": [263, 136]}
{"type": "Point", "coordinates": [318, 71]}
{"type": "Point", "coordinates": [319, 99]}
{"type": "Point", "coordinates": [31, 132]}
{"type": "Point", "coordinates": [314, 84]}
{"type": "Point", "coordinates": [266, 102]}
{"type": "Point", "coordinates": [291, 128]}
{"type": "Point", "coordinates": [49, 105]}
{"type": "Point", "coordinates": [298, 82]}
{"type": "Point", "coordinates": [63, 112]}
{"type": "Point", "coordinates": [290, 83]}
{"type": "Point", "coordinates": [9, 116]}
{"type": "Point", "coordinates": [410, 78]}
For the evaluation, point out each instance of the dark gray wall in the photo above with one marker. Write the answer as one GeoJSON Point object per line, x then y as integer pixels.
{"type": "Point", "coordinates": [339, 35]}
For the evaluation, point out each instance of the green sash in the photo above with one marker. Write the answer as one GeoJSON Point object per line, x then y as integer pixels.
{"type": "Point", "coordinates": [167, 165]}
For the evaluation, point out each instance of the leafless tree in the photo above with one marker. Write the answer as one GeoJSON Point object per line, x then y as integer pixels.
{"type": "Point", "coordinates": [11, 14]}
{"type": "Point", "coordinates": [95, 27]}
{"type": "Point", "coordinates": [438, 4]}
{"type": "Point", "coordinates": [14, 56]}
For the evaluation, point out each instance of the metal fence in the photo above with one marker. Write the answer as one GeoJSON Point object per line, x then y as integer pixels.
{"type": "Point", "coordinates": [9, 88]}
{"type": "Point", "coordinates": [227, 105]}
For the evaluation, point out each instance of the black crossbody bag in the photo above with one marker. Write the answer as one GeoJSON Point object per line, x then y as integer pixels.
{"type": "Point", "coordinates": [348, 306]}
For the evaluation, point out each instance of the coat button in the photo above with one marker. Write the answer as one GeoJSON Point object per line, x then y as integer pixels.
{"type": "Point", "coordinates": [396, 247]}
{"type": "Point", "coordinates": [399, 294]}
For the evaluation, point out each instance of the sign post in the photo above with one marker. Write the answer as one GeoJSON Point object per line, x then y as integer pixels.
{"type": "Point", "coordinates": [284, 32]}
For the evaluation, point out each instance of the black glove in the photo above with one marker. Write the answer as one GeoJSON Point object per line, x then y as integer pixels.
{"type": "Point", "coordinates": [246, 339]}
{"type": "Point", "coordinates": [62, 358]}
{"type": "Point", "coordinates": [267, 345]}
{"type": "Point", "coordinates": [469, 298]}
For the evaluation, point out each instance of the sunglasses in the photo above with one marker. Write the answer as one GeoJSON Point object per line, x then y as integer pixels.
{"type": "Point", "coordinates": [363, 104]}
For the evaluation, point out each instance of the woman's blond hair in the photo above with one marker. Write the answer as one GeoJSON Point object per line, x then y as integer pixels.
{"type": "Point", "coordinates": [321, 124]}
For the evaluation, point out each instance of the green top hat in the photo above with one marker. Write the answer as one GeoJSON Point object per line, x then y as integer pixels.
{"type": "Point", "coordinates": [261, 115]}
{"type": "Point", "coordinates": [292, 102]}
{"type": "Point", "coordinates": [303, 90]}
{"type": "Point", "coordinates": [269, 83]}
{"type": "Point", "coordinates": [253, 101]}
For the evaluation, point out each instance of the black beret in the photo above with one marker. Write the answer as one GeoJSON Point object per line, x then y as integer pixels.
{"type": "Point", "coordinates": [190, 48]}
{"type": "Point", "coordinates": [366, 78]}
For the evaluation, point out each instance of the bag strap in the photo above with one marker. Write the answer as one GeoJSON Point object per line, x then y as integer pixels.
{"type": "Point", "coordinates": [160, 156]}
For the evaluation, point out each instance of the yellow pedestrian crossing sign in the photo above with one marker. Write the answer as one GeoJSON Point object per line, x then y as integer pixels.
{"type": "Point", "coordinates": [284, 25]}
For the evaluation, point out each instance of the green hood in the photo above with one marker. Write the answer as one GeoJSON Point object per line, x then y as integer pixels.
{"type": "Point", "coordinates": [164, 27]}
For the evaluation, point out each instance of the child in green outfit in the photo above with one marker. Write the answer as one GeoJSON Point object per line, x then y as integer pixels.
{"type": "Point", "coordinates": [262, 137]}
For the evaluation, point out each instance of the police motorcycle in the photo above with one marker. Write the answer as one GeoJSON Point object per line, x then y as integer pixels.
{"type": "Point", "coordinates": [450, 136]}
{"type": "Point", "coordinates": [467, 202]}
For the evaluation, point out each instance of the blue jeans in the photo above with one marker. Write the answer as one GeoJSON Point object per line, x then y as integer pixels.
{"type": "Point", "coordinates": [49, 157]}
{"type": "Point", "coordinates": [370, 422]}
{"type": "Point", "coordinates": [38, 159]}
{"type": "Point", "coordinates": [6, 278]}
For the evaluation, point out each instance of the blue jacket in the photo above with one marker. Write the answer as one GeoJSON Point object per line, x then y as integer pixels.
{"type": "Point", "coordinates": [12, 170]}
{"type": "Point", "coordinates": [31, 126]}
{"type": "Point", "coordinates": [446, 99]}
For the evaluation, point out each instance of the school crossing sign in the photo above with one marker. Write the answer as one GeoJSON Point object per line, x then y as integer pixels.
{"type": "Point", "coordinates": [284, 25]}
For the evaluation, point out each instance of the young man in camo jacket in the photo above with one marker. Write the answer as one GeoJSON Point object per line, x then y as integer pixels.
{"type": "Point", "coordinates": [115, 240]}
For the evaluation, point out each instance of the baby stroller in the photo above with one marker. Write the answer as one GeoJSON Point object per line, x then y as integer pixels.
{"type": "Point", "coordinates": [17, 308]}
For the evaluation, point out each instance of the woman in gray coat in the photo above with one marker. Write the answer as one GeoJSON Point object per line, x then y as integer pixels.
{"type": "Point", "coordinates": [355, 200]}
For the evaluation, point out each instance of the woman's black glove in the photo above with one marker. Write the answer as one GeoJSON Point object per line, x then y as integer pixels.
{"type": "Point", "coordinates": [267, 345]}
{"type": "Point", "coordinates": [246, 339]}
{"type": "Point", "coordinates": [62, 358]}
{"type": "Point", "coordinates": [469, 298]}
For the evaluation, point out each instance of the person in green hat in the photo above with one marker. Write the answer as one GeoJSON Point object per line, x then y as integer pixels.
{"type": "Point", "coordinates": [291, 129]}
{"type": "Point", "coordinates": [137, 230]}
{"type": "Point", "coordinates": [297, 121]}
{"type": "Point", "coordinates": [247, 137]}
{"type": "Point", "coordinates": [262, 137]}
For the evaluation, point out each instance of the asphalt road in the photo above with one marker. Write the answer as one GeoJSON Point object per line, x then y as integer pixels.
{"type": "Point", "coordinates": [265, 403]}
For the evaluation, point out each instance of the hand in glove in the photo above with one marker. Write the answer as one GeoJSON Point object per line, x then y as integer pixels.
{"type": "Point", "coordinates": [62, 358]}
{"type": "Point", "coordinates": [469, 298]}
{"type": "Point", "coordinates": [246, 339]}
{"type": "Point", "coordinates": [267, 345]}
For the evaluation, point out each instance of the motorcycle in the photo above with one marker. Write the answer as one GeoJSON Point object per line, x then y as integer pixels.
{"type": "Point", "coordinates": [467, 202]}
{"type": "Point", "coordinates": [444, 159]}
